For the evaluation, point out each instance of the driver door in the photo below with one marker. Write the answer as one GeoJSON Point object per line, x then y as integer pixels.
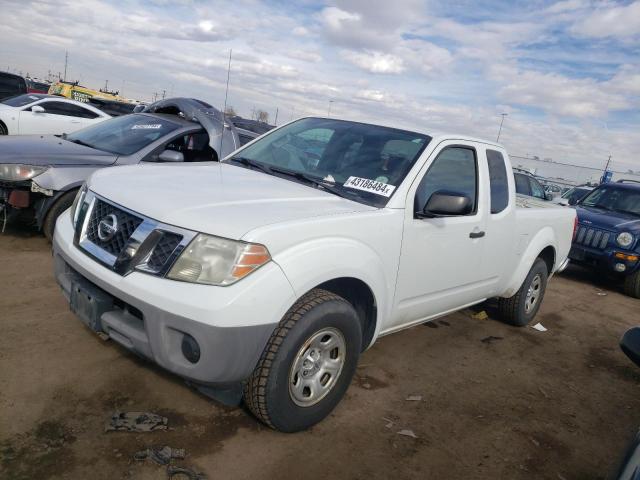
{"type": "Point", "coordinates": [441, 257]}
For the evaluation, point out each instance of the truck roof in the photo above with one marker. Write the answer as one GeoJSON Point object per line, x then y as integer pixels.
{"type": "Point", "coordinates": [437, 137]}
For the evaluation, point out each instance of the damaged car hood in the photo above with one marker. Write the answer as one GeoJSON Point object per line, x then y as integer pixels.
{"type": "Point", "coordinates": [50, 150]}
{"type": "Point", "coordinates": [219, 199]}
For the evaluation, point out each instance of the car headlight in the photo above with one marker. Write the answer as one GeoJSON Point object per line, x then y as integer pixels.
{"type": "Point", "coordinates": [77, 202]}
{"type": "Point", "coordinates": [625, 239]}
{"type": "Point", "coordinates": [218, 261]}
{"type": "Point", "coordinates": [15, 172]}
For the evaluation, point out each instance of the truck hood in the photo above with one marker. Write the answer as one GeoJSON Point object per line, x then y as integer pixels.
{"type": "Point", "coordinates": [609, 220]}
{"type": "Point", "coordinates": [50, 150]}
{"type": "Point", "coordinates": [215, 198]}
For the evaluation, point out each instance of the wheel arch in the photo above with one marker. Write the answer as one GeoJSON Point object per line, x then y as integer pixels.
{"type": "Point", "coordinates": [544, 246]}
{"type": "Point", "coordinates": [363, 300]}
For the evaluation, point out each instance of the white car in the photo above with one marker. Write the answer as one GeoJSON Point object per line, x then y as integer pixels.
{"type": "Point", "coordinates": [267, 274]}
{"type": "Point", "coordinates": [40, 114]}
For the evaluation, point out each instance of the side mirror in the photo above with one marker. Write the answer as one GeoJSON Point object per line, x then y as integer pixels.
{"type": "Point", "coordinates": [37, 109]}
{"type": "Point", "coordinates": [171, 156]}
{"type": "Point", "coordinates": [630, 345]}
{"type": "Point", "coordinates": [444, 204]}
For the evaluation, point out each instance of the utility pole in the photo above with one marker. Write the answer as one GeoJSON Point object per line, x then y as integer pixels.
{"type": "Point", "coordinates": [66, 60]}
{"type": "Point", "coordinates": [501, 122]}
{"type": "Point", "coordinates": [329, 109]}
{"type": "Point", "coordinates": [275, 122]}
{"type": "Point", "coordinates": [164, 93]}
{"type": "Point", "coordinates": [106, 86]}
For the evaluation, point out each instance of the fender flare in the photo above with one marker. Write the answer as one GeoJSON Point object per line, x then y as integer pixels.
{"type": "Point", "coordinates": [543, 239]}
{"type": "Point", "coordinates": [314, 262]}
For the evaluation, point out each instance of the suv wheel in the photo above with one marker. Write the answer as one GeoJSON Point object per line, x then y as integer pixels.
{"type": "Point", "coordinates": [521, 308]}
{"type": "Point", "coordinates": [632, 285]}
{"type": "Point", "coordinates": [308, 363]}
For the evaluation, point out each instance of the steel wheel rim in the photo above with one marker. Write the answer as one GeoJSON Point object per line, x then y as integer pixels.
{"type": "Point", "coordinates": [317, 367]}
{"type": "Point", "coordinates": [533, 294]}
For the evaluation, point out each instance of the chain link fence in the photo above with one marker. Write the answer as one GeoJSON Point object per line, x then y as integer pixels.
{"type": "Point", "coordinates": [565, 174]}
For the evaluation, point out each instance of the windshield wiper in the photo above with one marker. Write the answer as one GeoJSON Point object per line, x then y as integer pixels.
{"type": "Point", "coordinates": [247, 162]}
{"type": "Point", "coordinates": [309, 179]}
{"type": "Point", "coordinates": [80, 142]}
{"type": "Point", "coordinates": [315, 181]}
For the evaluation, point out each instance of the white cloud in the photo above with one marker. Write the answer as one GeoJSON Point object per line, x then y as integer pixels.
{"type": "Point", "coordinates": [375, 62]}
{"type": "Point", "coordinates": [611, 21]}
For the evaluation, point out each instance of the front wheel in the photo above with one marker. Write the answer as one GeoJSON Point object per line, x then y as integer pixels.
{"type": "Point", "coordinates": [521, 308]}
{"type": "Point", "coordinates": [3, 129]}
{"type": "Point", "coordinates": [308, 363]}
{"type": "Point", "coordinates": [632, 285]}
{"type": "Point", "coordinates": [64, 202]}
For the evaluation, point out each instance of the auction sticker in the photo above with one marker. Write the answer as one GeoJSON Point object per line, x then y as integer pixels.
{"type": "Point", "coordinates": [142, 126]}
{"type": "Point", "coordinates": [367, 185]}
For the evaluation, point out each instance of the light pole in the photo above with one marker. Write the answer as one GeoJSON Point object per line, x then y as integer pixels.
{"type": "Point", "coordinates": [501, 123]}
{"type": "Point", "coordinates": [329, 110]}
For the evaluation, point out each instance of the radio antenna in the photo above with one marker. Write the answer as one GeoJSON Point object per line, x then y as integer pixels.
{"type": "Point", "coordinates": [224, 111]}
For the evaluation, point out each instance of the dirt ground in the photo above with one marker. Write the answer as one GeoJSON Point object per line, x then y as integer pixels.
{"type": "Point", "coordinates": [497, 401]}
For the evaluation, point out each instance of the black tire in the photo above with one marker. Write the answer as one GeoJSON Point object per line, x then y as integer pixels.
{"type": "Point", "coordinates": [3, 129]}
{"type": "Point", "coordinates": [267, 391]}
{"type": "Point", "coordinates": [64, 202]}
{"type": "Point", "coordinates": [514, 310]}
{"type": "Point", "coordinates": [632, 285]}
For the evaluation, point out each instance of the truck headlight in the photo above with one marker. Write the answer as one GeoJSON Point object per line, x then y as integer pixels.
{"type": "Point", "coordinates": [16, 172]}
{"type": "Point", "coordinates": [218, 261]}
{"type": "Point", "coordinates": [625, 239]}
{"type": "Point", "coordinates": [77, 202]}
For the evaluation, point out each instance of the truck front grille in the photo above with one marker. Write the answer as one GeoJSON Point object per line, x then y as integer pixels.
{"type": "Point", "coordinates": [163, 250]}
{"type": "Point", "coordinates": [126, 225]}
{"type": "Point", "coordinates": [592, 237]}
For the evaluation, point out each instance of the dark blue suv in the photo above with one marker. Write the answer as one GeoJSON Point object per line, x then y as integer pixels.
{"type": "Point", "coordinates": [608, 233]}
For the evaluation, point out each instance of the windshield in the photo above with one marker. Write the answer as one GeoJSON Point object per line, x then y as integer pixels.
{"type": "Point", "coordinates": [362, 162]}
{"type": "Point", "coordinates": [616, 199]}
{"type": "Point", "coordinates": [575, 194]}
{"type": "Point", "coordinates": [123, 135]}
{"type": "Point", "coordinates": [22, 100]}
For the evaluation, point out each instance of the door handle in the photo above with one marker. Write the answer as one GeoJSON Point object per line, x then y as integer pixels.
{"type": "Point", "coordinates": [476, 234]}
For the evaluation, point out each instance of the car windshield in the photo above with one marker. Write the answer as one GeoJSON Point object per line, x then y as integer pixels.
{"type": "Point", "coordinates": [123, 135]}
{"type": "Point", "coordinates": [362, 162]}
{"type": "Point", "coordinates": [22, 100]}
{"type": "Point", "coordinates": [575, 194]}
{"type": "Point", "coordinates": [616, 199]}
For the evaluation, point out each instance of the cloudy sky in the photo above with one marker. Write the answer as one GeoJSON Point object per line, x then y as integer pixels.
{"type": "Point", "coordinates": [567, 73]}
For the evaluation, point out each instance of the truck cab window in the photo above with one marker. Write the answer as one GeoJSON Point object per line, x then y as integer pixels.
{"type": "Point", "coordinates": [536, 189]}
{"type": "Point", "coordinates": [498, 181]}
{"type": "Point", "coordinates": [454, 170]}
{"type": "Point", "coordinates": [522, 184]}
{"type": "Point", "coordinates": [193, 146]}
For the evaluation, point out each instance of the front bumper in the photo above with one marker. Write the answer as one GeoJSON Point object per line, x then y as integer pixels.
{"type": "Point", "coordinates": [604, 260]}
{"type": "Point", "coordinates": [150, 315]}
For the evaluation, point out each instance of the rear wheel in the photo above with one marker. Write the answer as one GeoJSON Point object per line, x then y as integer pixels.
{"type": "Point", "coordinates": [3, 129]}
{"type": "Point", "coordinates": [307, 364]}
{"type": "Point", "coordinates": [521, 308]}
{"type": "Point", "coordinates": [632, 285]}
{"type": "Point", "coordinates": [64, 202]}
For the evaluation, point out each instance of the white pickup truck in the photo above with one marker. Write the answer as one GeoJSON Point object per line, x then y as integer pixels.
{"type": "Point", "coordinates": [266, 275]}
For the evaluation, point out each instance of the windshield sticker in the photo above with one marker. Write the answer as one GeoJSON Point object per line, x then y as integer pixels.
{"type": "Point", "coordinates": [142, 126]}
{"type": "Point", "coordinates": [367, 185]}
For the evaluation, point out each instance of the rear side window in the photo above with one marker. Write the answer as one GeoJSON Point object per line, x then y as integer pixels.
{"type": "Point", "coordinates": [498, 181]}
{"type": "Point", "coordinates": [67, 109]}
{"type": "Point", "coordinates": [522, 184]}
{"type": "Point", "coordinates": [454, 170]}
